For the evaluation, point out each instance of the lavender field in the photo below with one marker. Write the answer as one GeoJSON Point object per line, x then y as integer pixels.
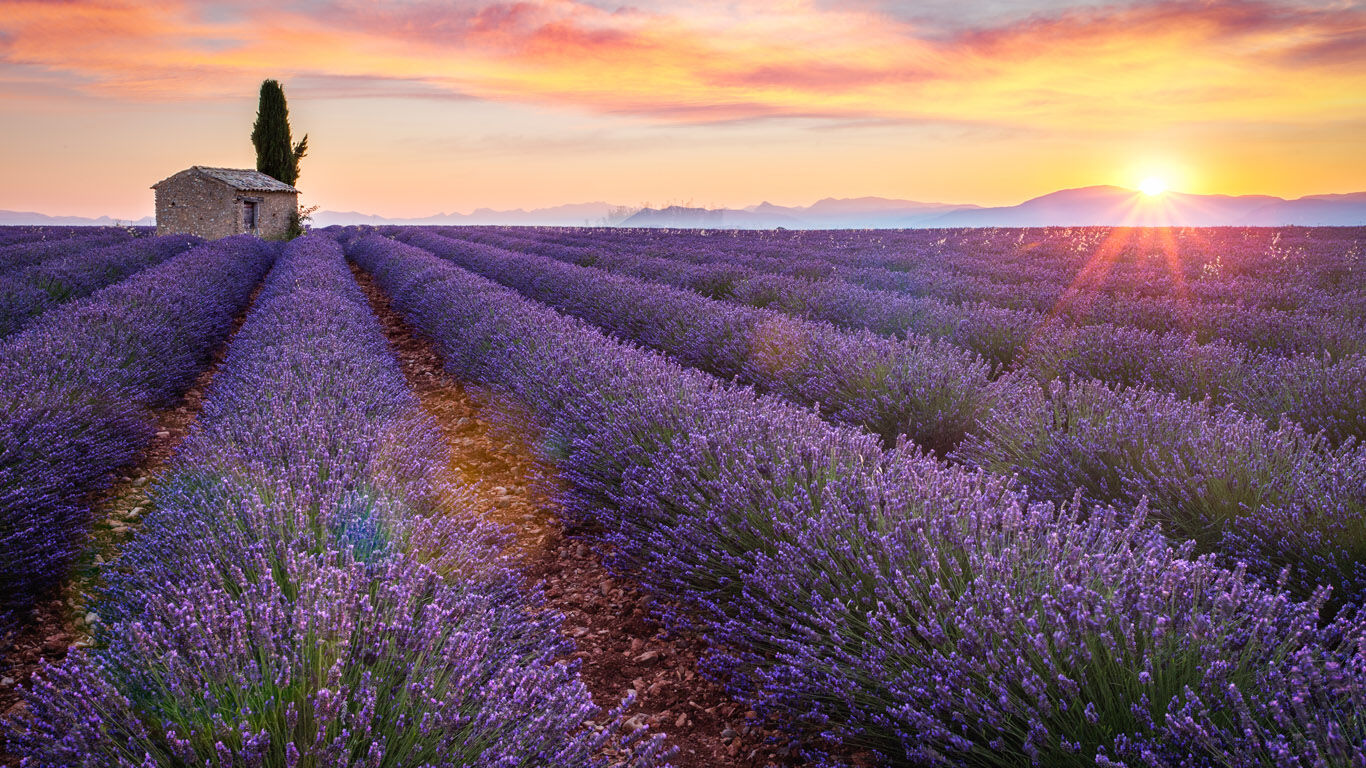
{"type": "Point", "coordinates": [945, 497]}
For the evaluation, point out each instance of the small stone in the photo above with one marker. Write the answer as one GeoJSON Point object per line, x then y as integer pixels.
{"type": "Point", "coordinates": [646, 657]}
{"type": "Point", "coordinates": [728, 733]}
{"type": "Point", "coordinates": [92, 618]}
{"type": "Point", "coordinates": [635, 723]}
{"type": "Point", "coordinates": [135, 511]}
{"type": "Point", "coordinates": [141, 481]}
{"type": "Point", "coordinates": [681, 721]}
{"type": "Point", "coordinates": [99, 559]}
{"type": "Point", "coordinates": [637, 644]}
{"type": "Point", "coordinates": [6, 681]}
{"type": "Point", "coordinates": [163, 434]}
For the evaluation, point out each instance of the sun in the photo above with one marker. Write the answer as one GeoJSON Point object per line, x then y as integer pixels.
{"type": "Point", "coordinates": [1152, 186]}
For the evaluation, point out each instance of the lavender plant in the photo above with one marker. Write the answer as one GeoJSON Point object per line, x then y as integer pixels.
{"type": "Point", "coordinates": [74, 389]}
{"type": "Point", "coordinates": [1208, 472]}
{"type": "Point", "coordinates": [1148, 341]}
{"type": "Point", "coordinates": [56, 244]}
{"type": "Point", "coordinates": [306, 591]}
{"type": "Point", "coordinates": [883, 599]}
{"type": "Point", "coordinates": [29, 292]}
{"type": "Point", "coordinates": [918, 387]}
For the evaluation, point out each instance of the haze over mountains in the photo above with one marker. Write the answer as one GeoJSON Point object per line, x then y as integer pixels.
{"type": "Point", "coordinates": [1086, 206]}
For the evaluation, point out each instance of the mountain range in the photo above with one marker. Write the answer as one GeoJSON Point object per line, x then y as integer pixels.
{"type": "Point", "coordinates": [29, 218]}
{"type": "Point", "coordinates": [1086, 206]}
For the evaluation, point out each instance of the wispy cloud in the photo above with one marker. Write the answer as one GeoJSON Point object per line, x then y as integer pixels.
{"type": "Point", "coordinates": [718, 61]}
{"type": "Point", "coordinates": [709, 95]}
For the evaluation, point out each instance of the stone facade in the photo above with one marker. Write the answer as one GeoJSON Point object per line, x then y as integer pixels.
{"type": "Point", "coordinates": [218, 202]}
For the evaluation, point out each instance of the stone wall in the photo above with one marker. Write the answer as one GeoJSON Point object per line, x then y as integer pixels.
{"type": "Point", "coordinates": [272, 214]}
{"type": "Point", "coordinates": [192, 203]}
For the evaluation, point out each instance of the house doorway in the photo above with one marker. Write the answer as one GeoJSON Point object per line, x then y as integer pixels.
{"type": "Point", "coordinates": [249, 215]}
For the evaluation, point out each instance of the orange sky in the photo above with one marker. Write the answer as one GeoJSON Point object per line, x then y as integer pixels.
{"type": "Point", "coordinates": [429, 106]}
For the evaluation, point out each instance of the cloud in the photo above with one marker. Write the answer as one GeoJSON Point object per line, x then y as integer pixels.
{"type": "Point", "coordinates": [1125, 66]}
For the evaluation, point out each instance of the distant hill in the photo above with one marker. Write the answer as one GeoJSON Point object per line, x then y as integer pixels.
{"type": "Point", "coordinates": [829, 213]}
{"type": "Point", "coordinates": [573, 215]}
{"type": "Point", "coordinates": [29, 218]}
{"type": "Point", "coordinates": [722, 218]}
{"type": "Point", "coordinates": [1089, 206]}
{"type": "Point", "coordinates": [1117, 206]}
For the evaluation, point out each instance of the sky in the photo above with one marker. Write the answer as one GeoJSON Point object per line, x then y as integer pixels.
{"type": "Point", "coordinates": [415, 107]}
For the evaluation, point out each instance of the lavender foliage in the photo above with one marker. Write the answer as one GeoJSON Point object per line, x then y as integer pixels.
{"type": "Point", "coordinates": [27, 293]}
{"type": "Point", "coordinates": [55, 243]}
{"type": "Point", "coordinates": [1211, 474]}
{"type": "Point", "coordinates": [1227, 352]}
{"type": "Point", "coordinates": [1206, 475]}
{"type": "Point", "coordinates": [930, 614]}
{"type": "Point", "coordinates": [306, 591]}
{"type": "Point", "coordinates": [918, 387]}
{"type": "Point", "coordinates": [74, 389]}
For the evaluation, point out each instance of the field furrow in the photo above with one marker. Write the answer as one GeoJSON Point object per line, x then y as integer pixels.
{"type": "Point", "coordinates": [620, 649]}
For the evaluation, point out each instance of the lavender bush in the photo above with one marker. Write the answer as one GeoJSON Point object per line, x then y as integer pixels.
{"type": "Point", "coordinates": [1207, 471]}
{"type": "Point", "coordinates": [29, 292]}
{"type": "Point", "coordinates": [55, 245]}
{"type": "Point", "coordinates": [922, 388]}
{"type": "Point", "coordinates": [1170, 349]}
{"type": "Point", "coordinates": [1205, 475]}
{"type": "Point", "coordinates": [305, 591]}
{"type": "Point", "coordinates": [74, 387]}
{"type": "Point", "coordinates": [1273, 290]}
{"type": "Point", "coordinates": [883, 599]}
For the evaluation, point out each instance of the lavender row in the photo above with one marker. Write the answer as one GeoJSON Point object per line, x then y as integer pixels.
{"type": "Point", "coordinates": [1212, 472]}
{"type": "Point", "coordinates": [27, 293]}
{"type": "Point", "coordinates": [15, 235]}
{"type": "Point", "coordinates": [1282, 268]}
{"type": "Point", "coordinates": [1280, 315]}
{"type": "Point", "coordinates": [925, 389]}
{"type": "Point", "coordinates": [1313, 389]}
{"type": "Point", "coordinates": [74, 389]}
{"type": "Point", "coordinates": [993, 331]}
{"type": "Point", "coordinates": [302, 593]}
{"type": "Point", "coordinates": [883, 600]}
{"type": "Point", "coordinates": [26, 254]}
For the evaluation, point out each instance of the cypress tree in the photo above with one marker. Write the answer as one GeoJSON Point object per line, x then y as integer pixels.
{"type": "Point", "coordinates": [276, 154]}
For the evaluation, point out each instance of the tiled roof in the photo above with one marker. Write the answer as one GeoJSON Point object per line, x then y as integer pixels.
{"type": "Point", "coordinates": [242, 179]}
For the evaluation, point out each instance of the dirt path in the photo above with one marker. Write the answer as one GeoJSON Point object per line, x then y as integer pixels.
{"type": "Point", "coordinates": [607, 618]}
{"type": "Point", "coordinates": [66, 621]}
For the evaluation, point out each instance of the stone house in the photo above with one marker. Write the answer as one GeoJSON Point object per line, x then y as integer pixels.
{"type": "Point", "coordinates": [218, 202]}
